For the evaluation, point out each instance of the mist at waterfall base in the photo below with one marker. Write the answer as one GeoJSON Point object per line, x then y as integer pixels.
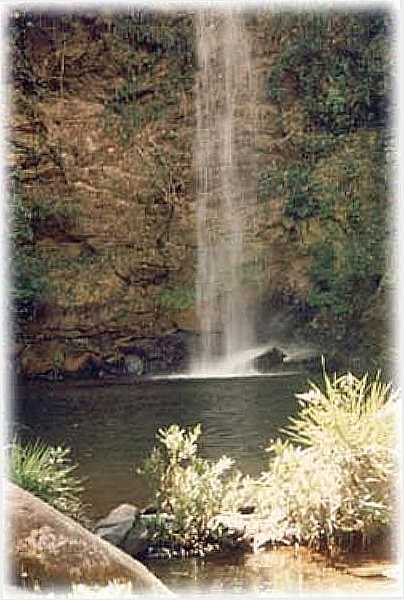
{"type": "Point", "coordinates": [275, 332]}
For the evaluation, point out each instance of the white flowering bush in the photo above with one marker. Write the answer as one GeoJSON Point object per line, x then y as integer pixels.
{"type": "Point", "coordinates": [47, 472]}
{"type": "Point", "coordinates": [335, 472]}
{"type": "Point", "coordinates": [190, 488]}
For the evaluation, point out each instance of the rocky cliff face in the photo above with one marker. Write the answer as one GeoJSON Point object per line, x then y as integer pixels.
{"type": "Point", "coordinates": [103, 149]}
{"type": "Point", "coordinates": [101, 156]}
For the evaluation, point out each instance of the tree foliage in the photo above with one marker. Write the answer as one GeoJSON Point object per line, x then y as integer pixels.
{"type": "Point", "coordinates": [338, 67]}
{"type": "Point", "coordinates": [330, 81]}
{"type": "Point", "coordinates": [149, 39]}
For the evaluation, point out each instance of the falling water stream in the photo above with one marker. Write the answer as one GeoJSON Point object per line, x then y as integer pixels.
{"type": "Point", "coordinates": [226, 196]}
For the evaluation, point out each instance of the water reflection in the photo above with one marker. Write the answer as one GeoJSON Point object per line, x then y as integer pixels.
{"type": "Point", "coordinates": [275, 572]}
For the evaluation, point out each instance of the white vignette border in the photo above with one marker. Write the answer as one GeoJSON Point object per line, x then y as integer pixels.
{"type": "Point", "coordinates": [397, 217]}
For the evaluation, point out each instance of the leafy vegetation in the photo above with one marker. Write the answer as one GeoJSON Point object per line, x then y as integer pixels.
{"type": "Point", "coordinates": [349, 262]}
{"type": "Point", "coordinates": [179, 298]}
{"type": "Point", "coordinates": [162, 33]}
{"type": "Point", "coordinates": [334, 474]}
{"type": "Point", "coordinates": [330, 82]}
{"type": "Point", "coordinates": [52, 214]}
{"type": "Point", "coordinates": [47, 472]}
{"type": "Point", "coordinates": [337, 64]}
{"type": "Point", "coordinates": [190, 488]}
{"type": "Point", "coordinates": [149, 40]}
{"type": "Point", "coordinates": [295, 182]}
{"type": "Point", "coordinates": [29, 221]}
{"type": "Point", "coordinates": [28, 273]}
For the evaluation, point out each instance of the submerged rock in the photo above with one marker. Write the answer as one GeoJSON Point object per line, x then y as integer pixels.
{"type": "Point", "coordinates": [243, 530]}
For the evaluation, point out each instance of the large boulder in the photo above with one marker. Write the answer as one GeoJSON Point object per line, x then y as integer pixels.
{"type": "Point", "coordinates": [48, 547]}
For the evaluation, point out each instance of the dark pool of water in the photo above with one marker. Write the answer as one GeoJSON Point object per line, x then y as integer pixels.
{"type": "Point", "coordinates": [111, 427]}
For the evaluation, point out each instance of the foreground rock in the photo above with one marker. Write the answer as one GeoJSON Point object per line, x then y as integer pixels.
{"type": "Point", "coordinates": [49, 548]}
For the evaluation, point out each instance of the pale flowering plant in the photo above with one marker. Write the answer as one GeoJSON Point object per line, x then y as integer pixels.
{"type": "Point", "coordinates": [190, 488]}
{"type": "Point", "coordinates": [335, 472]}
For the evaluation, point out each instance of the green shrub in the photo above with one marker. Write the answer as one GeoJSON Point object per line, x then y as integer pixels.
{"type": "Point", "coordinates": [29, 220]}
{"type": "Point", "coordinates": [346, 272]}
{"type": "Point", "coordinates": [330, 86]}
{"type": "Point", "coordinates": [301, 202]}
{"type": "Point", "coordinates": [335, 473]}
{"type": "Point", "coordinates": [134, 112]}
{"type": "Point", "coordinates": [144, 39]}
{"type": "Point", "coordinates": [349, 261]}
{"type": "Point", "coordinates": [180, 298]}
{"type": "Point", "coordinates": [292, 183]}
{"type": "Point", "coordinates": [338, 64]}
{"type": "Point", "coordinates": [29, 282]}
{"type": "Point", "coordinates": [191, 488]}
{"type": "Point", "coordinates": [28, 272]}
{"type": "Point", "coordinates": [47, 472]}
{"type": "Point", "coordinates": [49, 213]}
{"type": "Point", "coordinates": [157, 32]}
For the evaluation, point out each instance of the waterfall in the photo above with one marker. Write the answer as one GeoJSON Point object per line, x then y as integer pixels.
{"type": "Point", "coordinates": [224, 153]}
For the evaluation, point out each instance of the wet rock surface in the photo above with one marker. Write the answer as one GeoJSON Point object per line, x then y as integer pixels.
{"type": "Point", "coordinates": [104, 356]}
{"type": "Point", "coordinates": [266, 361]}
{"type": "Point", "coordinates": [119, 253]}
